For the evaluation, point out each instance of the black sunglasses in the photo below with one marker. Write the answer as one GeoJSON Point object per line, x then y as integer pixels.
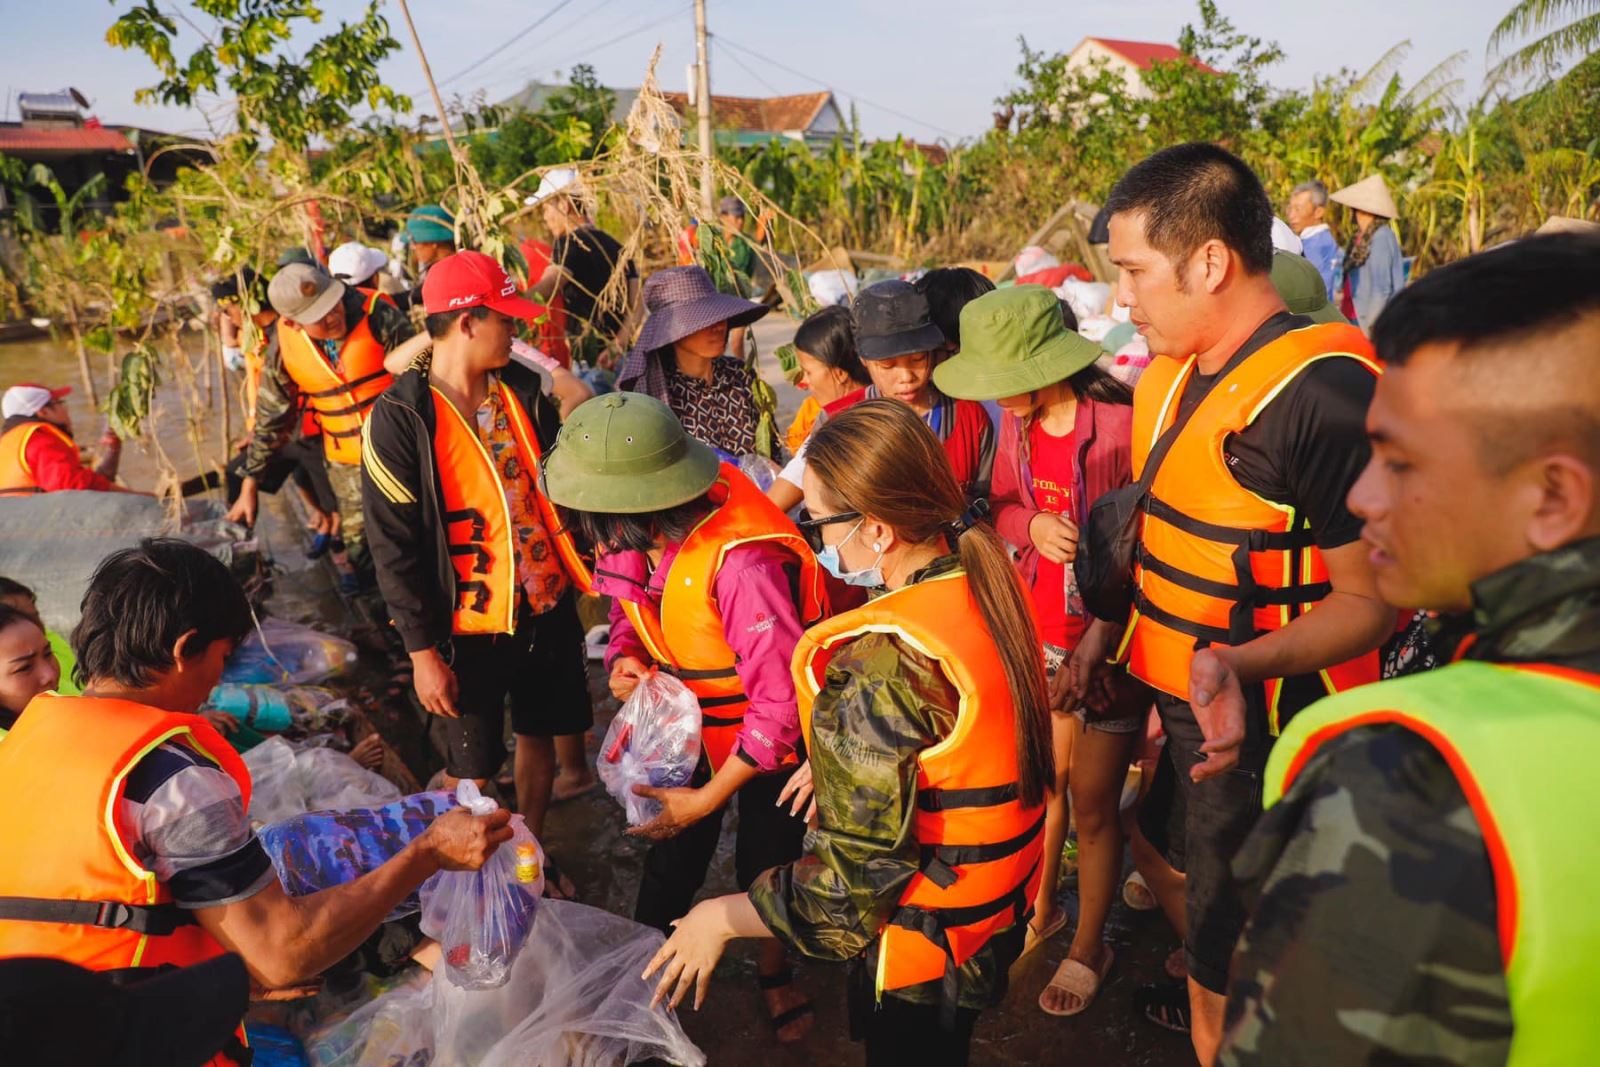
{"type": "Point", "coordinates": [811, 529]}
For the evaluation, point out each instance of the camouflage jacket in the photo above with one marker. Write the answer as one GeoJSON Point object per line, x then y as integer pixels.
{"type": "Point", "coordinates": [278, 402]}
{"type": "Point", "coordinates": [1373, 934]}
{"type": "Point", "coordinates": [882, 704]}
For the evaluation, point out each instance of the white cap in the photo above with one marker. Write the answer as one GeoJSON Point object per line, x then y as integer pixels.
{"type": "Point", "coordinates": [1284, 239]}
{"type": "Point", "coordinates": [355, 262]}
{"type": "Point", "coordinates": [29, 399]}
{"type": "Point", "coordinates": [561, 179]}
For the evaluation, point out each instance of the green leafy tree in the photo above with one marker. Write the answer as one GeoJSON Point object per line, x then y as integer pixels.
{"type": "Point", "coordinates": [1565, 28]}
{"type": "Point", "coordinates": [290, 98]}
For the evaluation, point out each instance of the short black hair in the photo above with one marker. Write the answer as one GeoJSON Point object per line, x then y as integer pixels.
{"type": "Point", "coordinates": [1196, 192]}
{"type": "Point", "coordinates": [10, 587]}
{"type": "Point", "coordinates": [227, 287]}
{"type": "Point", "coordinates": [606, 532]}
{"type": "Point", "coordinates": [142, 599]}
{"type": "Point", "coordinates": [1069, 318]}
{"type": "Point", "coordinates": [10, 615]}
{"type": "Point", "coordinates": [948, 290]}
{"type": "Point", "coordinates": [829, 335]}
{"type": "Point", "coordinates": [1539, 285]}
{"type": "Point", "coordinates": [438, 324]}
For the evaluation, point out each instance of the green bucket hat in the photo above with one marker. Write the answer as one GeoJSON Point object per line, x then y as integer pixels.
{"type": "Point", "coordinates": [430, 224]}
{"type": "Point", "coordinates": [626, 454]}
{"type": "Point", "coordinates": [1300, 284]}
{"type": "Point", "coordinates": [1017, 343]}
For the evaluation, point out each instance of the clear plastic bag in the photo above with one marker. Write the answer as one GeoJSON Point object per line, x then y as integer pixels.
{"type": "Point", "coordinates": [280, 651]}
{"type": "Point", "coordinates": [392, 1030]}
{"type": "Point", "coordinates": [320, 849]}
{"type": "Point", "coordinates": [759, 469]}
{"type": "Point", "coordinates": [285, 782]}
{"type": "Point", "coordinates": [654, 740]}
{"type": "Point", "coordinates": [481, 918]}
{"type": "Point", "coordinates": [574, 999]}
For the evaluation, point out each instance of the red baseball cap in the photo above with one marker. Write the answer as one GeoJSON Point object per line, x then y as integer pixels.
{"type": "Point", "coordinates": [468, 280]}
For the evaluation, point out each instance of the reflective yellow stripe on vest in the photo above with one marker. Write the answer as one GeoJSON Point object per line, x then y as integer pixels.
{"type": "Point", "coordinates": [1508, 734]}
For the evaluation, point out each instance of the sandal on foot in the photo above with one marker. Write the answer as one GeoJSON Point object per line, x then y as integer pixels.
{"type": "Point", "coordinates": [1037, 936]}
{"type": "Point", "coordinates": [1137, 894]}
{"type": "Point", "coordinates": [1079, 980]}
{"type": "Point", "coordinates": [783, 979]}
{"type": "Point", "coordinates": [559, 795]}
{"type": "Point", "coordinates": [1165, 1005]}
{"type": "Point", "coordinates": [558, 886]}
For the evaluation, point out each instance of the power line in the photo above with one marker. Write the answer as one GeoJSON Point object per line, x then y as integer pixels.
{"type": "Point", "coordinates": [810, 78]}
{"type": "Point", "coordinates": [513, 39]}
{"type": "Point", "coordinates": [582, 51]}
{"type": "Point", "coordinates": [748, 69]}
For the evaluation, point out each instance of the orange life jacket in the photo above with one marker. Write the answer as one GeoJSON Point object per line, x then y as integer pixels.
{"type": "Point", "coordinates": [697, 650]}
{"type": "Point", "coordinates": [67, 862]}
{"type": "Point", "coordinates": [981, 846]}
{"type": "Point", "coordinates": [1218, 564]}
{"type": "Point", "coordinates": [478, 522]}
{"type": "Point", "coordinates": [340, 398]}
{"type": "Point", "coordinates": [15, 475]}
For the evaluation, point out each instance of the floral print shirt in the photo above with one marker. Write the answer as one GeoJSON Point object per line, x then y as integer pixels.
{"type": "Point", "coordinates": [538, 567]}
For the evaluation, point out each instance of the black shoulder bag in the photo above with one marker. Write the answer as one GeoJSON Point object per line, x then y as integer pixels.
{"type": "Point", "coordinates": [1110, 535]}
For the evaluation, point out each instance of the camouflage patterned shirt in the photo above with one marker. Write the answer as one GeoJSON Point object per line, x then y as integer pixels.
{"type": "Point", "coordinates": [1373, 935]}
{"type": "Point", "coordinates": [882, 704]}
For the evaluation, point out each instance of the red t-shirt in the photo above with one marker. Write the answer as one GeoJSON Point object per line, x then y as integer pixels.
{"type": "Point", "coordinates": [1050, 463]}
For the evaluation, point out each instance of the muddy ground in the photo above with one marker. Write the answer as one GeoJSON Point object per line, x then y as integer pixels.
{"type": "Point", "coordinates": [586, 836]}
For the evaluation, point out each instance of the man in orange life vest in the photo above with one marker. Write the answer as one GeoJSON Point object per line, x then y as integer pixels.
{"type": "Point", "coordinates": [37, 452]}
{"type": "Point", "coordinates": [127, 844]}
{"type": "Point", "coordinates": [477, 571]}
{"type": "Point", "coordinates": [1249, 572]}
{"type": "Point", "coordinates": [331, 343]}
{"type": "Point", "coordinates": [1413, 878]}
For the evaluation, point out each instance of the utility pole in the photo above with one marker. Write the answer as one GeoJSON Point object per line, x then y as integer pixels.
{"type": "Point", "coordinates": [702, 94]}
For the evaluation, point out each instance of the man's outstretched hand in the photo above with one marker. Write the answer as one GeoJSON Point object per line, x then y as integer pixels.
{"type": "Point", "coordinates": [1216, 693]}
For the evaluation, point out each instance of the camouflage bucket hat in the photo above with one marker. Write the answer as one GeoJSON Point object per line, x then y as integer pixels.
{"type": "Point", "coordinates": [626, 454]}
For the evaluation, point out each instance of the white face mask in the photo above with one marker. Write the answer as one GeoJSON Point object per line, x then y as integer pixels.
{"type": "Point", "coordinates": [870, 577]}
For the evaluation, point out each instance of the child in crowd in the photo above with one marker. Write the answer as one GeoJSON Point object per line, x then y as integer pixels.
{"type": "Point", "coordinates": [832, 372]}
{"type": "Point", "coordinates": [1065, 439]}
{"type": "Point", "coordinates": [899, 343]}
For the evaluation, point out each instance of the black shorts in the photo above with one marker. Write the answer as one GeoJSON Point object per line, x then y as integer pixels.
{"type": "Point", "coordinates": [541, 667]}
{"type": "Point", "coordinates": [1202, 830]}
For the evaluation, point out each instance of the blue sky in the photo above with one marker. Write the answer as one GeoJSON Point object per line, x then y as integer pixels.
{"type": "Point", "coordinates": [927, 68]}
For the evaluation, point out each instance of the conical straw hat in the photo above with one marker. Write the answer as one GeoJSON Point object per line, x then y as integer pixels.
{"type": "Point", "coordinates": [1567, 224]}
{"type": "Point", "coordinates": [1370, 194]}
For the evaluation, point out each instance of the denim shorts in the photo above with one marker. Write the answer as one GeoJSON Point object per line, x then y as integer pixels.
{"type": "Point", "coordinates": [1054, 657]}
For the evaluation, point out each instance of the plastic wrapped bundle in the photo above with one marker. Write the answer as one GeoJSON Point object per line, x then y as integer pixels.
{"type": "Point", "coordinates": [320, 849]}
{"type": "Point", "coordinates": [279, 651]}
{"type": "Point", "coordinates": [574, 998]}
{"type": "Point", "coordinates": [481, 918]}
{"type": "Point", "coordinates": [285, 782]}
{"type": "Point", "coordinates": [392, 1030]}
{"type": "Point", "coordinates": [273, 709]}
{"type": "Point", "coordinates": [654, 740]}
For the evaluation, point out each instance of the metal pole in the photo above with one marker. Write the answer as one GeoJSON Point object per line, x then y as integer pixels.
{"type": "Point", "coordinates": [703, 107]}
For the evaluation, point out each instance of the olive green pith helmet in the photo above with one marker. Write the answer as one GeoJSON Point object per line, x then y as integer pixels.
{"type": "Point", "coordinates": [626, 454]}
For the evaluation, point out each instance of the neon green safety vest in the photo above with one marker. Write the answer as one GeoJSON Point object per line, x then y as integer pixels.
{"type": "Point", "coordinates": [1510, 735]}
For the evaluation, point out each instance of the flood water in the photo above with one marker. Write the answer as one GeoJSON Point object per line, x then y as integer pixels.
{"type": "Point", "coordinates": [586, 834]}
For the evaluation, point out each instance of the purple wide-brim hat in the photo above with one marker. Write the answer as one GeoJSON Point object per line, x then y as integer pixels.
{"type": "Point", "coordinates": [684, 300]}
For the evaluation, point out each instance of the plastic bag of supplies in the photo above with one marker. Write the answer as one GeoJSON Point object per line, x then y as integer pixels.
{"type": "Point", "coordinates": [320, 849]}
{"type": "Point", "coordinates": [481, 918]}
{"type": "Point", "coordinates": [654, 740]}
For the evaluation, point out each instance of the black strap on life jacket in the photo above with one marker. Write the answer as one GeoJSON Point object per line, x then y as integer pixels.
{"type": "Point", "coordinates": [991, 796]}
{"type": "Point", "coordinates": [323, 394]}
{"type": "Point", "coordinates": [354, 409]}
{"type": "Point", "coordinates": [1255, 594]}
{"type": "Point", "coordinates": [932, 923]}
{"type": "Point", "coordinates": [939, 861]}
{"type": "Point", "coordinates": [155, 920]}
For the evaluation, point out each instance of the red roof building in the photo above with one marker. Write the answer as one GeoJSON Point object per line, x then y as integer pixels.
{"type": "Point", "coordinates": [1129, 59]}
{"type": "Point", "coordinates": [44, 142]}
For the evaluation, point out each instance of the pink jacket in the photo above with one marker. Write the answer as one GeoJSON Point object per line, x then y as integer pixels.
{"type": "Point", "coordinates": [1104, 462]}
{"type": "Point", "coordinates": [754, 593]}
